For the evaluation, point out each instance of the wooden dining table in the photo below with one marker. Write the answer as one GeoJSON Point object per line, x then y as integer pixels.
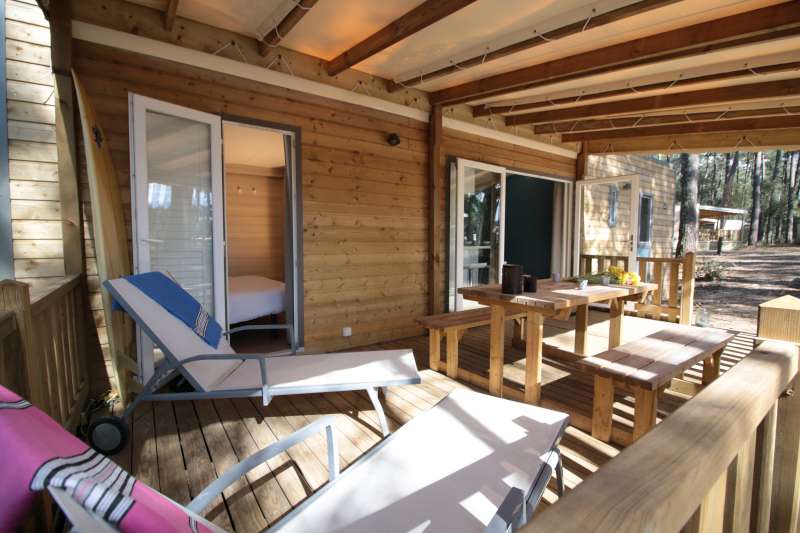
{"type": "Point", "coordinates": [551, 300]}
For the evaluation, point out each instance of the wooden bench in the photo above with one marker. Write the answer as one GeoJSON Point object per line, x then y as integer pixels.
{"type": "Point", "coordinates": [646, 367]}
{"type": "Point", "coordinates": [452, 326]}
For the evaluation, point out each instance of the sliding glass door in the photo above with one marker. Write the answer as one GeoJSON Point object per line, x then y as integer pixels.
{"type": "Point", "coordinates": [177, 201]}
{"type": "Point", "coordinates": [480, 226]}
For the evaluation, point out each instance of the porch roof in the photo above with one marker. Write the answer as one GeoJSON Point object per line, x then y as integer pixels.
{"type": "Point", "coordinates": [624, 77]}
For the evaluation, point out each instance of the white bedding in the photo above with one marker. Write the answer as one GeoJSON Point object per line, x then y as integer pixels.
{"type": "Point", "coordinates": [251, 297]}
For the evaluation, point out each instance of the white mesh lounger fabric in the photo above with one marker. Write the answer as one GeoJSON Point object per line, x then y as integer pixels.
{"type": "Point", "coordinates": [220, 372]}
{"type": "Point", "coordinates": [485, 446]}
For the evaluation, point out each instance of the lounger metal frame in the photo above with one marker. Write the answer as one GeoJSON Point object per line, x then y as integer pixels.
{"type": "Point", "coordinates": [514, 512]}
{"type": "Point", "coordinates": [172, 364]}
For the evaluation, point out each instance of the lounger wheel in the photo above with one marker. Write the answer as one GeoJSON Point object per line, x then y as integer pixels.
{"type": "Point", "coordinates": [108, 435]}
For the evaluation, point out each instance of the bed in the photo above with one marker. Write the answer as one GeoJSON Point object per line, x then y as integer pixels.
{"type": "Point", "coordinates": [251, 297]}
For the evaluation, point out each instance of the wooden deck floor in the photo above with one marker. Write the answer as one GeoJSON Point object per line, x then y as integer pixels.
{"type": "Point", "coordinates": [180, 447]}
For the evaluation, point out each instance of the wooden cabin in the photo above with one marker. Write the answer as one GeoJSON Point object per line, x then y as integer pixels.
{"type": "Point", "coordinates": [359, 166]}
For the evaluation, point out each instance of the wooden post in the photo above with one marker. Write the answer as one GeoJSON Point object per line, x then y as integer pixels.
{"type": "Point", "coordinates": [496, 349]}
{"type": "Point", "coordinates": [785, 509]}
{"type": "Point", "coordinates": [644, 411]}
{"type": "Point", "coordinates": [779, 319]}
{"type": "Point", "coordinates": [763, 472]}
{"type": "Point", "coordinates": [15, 297]}
{"type": "Point", "coordinates": [434, 348]}
{"type": "Point", "coordinates": [615, 322]}
{"type": "Point", "coordinates": [581, 328]}
{"type": "Point", "coordinates": [534, 325]}
{"type": "Point", "coordinates": [603, 408]}
{"type": "Point", "coordinates": [687, 289]}
{"type": "Point", "coordinates": [710, 516]}
{"type": "Point", "coordinates": [60, 16]}
{"type": "Point", "coordinates": [451, 337]}
{"type": "Point", "coordinates": [435, 242]}
{"type": "Point", "coordinates": [738, 503]}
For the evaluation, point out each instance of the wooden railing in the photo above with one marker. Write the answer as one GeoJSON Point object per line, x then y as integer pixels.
{"type": "Point", "coordinates": [591, 263]}
{"type": "Point", "coordinates": [673, 300]}
{"type": "Point", "coordinates": [43, 346]}
{"type": "Point", "coordinates": [727, 460]}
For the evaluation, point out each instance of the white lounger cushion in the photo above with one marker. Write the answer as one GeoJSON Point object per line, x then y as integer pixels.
{"type": "Point", "coordinates": [176, 336]}
{"type": "Point", "coordinates": [296, 374]}
{"type": "Point", "coordinates": [448, 469]}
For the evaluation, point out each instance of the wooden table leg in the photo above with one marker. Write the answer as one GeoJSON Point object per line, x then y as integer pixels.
{"type": "Point", "coordinates": [452, 353]}
{"type": "Point", "coordinates": [581, 328]}
{"type": "Point", "coordinates": [615, 322]}
{"type": "Point", "coordinates": [603, 408]}
{"type": "Point", "coordinates": [534, 331]}
{"type": "Point", "coordinates": [644, 411]}
{"type": "Point", "coordinates": [519, 329]}
{"type": "Point", "coordinates": [711, 367]}
{"type": "Point", "coordinates": [496, 348]}
{"type": "Point", "coordinates": [434, 348]}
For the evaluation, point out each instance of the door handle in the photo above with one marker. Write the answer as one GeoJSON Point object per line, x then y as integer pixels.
{"type": "Point", "coordinates": [152, 241]}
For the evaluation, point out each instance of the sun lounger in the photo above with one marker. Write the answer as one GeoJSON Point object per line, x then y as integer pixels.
{"type": "Point", "coordinates": [473, 462]}
{"type": "Point", "coordinates": [219, 372]}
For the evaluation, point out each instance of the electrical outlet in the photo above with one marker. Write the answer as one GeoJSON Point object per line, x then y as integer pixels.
{"type": "Point", "coordinates": [347, 331]}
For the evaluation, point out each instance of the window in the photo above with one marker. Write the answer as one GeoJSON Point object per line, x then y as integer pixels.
{"type": "Point", "coordinates": [646, 218]}
{"type": "Point", "coordinates": [613, 204]}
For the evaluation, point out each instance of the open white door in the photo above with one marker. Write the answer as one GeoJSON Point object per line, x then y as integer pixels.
{"type": "Point", "coordinates": [480, 226]}
{"type": "Point", "coordinates": [177, 203]}
{"type": "Point", "coordinates": [606, 219]}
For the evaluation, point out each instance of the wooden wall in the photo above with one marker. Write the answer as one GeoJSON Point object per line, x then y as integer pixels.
{"type": "Point", "coordinates": [255, 225]}
{"type": "Point", "coordinates": [655, 178]}
{"type": "Point", "coordinates": [33, 169]}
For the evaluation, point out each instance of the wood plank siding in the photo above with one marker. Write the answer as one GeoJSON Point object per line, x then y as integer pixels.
{"type": "Point", "coordinates": [33, 167]}
{"type": "Point", "coordinates": [656, 178]}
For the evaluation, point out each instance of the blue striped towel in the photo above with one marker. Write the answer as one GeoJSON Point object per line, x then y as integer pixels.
{"type": "Point", "coordinates": [179, 303]}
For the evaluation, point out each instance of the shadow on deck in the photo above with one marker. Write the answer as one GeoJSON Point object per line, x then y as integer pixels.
{"type": "Point", "coordinates": [179, 447]}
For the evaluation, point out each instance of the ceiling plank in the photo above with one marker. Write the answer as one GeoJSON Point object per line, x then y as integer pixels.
{"type": "Point", "coordinates": [283, 28]}
{"type": "Point", "coordinates": [747, 124]}
{"type": "Point", "coordinates": [787, 139]}
{"type": "Point", "coordinates": [759, 25]}
{"type": "Point", "coordinates": [170, 14]}
{"type": "Point", "coordinates": [417, 19]}
{"type": "Point", "coordinates": [735, 93]}
{"type": "Point", "coordinates": [595, 21]}
{"type": "Point", "coordinates": [659, 120]}
{"type": "Point", "coordinates": [486, 110]}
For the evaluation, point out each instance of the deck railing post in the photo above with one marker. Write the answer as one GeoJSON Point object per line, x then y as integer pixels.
{"type": "Point", "coordinates": [15, 297]}
{"type": "Point", "coordinates": [763, 474]}
{"type": "Point", "coordinates": [785, 509]}
{"type": "Point", "coordinates": [687, 289]}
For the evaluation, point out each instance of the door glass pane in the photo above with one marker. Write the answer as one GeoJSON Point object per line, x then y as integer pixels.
{"type": "Point", "coordinates": [179, 202]}
{"type": "Point", "coordinates": [482, 196]}
{"type": "Point", "coordinates": [645, 209]}
{"type": "Point", "coordinates": [606, 226]}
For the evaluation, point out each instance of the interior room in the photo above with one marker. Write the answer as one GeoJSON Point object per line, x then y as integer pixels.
{"type": "Point", "coordinates": [255, 192]}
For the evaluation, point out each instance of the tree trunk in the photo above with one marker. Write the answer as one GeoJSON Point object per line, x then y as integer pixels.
{"type": "Point", "coordinates": [755, 209]}
{"type": "Point", "coordinates": [689, 215]}
{"type": "Point", "coordinates": [731, 167]}
{"type": "Point", "coordinates": [793, 185]}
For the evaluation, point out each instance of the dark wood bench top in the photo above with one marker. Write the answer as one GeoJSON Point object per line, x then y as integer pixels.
{"type": "Point", "coordinates": [471, 318]}
{"type": "Point", "coordinates": [652, 361]}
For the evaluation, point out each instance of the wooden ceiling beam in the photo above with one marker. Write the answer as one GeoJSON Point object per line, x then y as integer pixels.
{"type": "Point", "coordinates": [486, 110]}
{"type": "Point", "coordinates": [648, 104]}
{"type": "Point", "coordinates": [170, 14]}
{"type": "Point", "coordinates": [595, 21]}
{"type": "Point", "coordinates": [659, 120]}
{"type": "Point", "coordinates": [417, 19]}
{"type": "Point", "coordinates": [283, 28]}
{"type": "Point", "coordinates": [745, 124]}
{"type": "Point", "coordinates": [787, 139]}
{"type": "Point", "coordinates": [759, 25]}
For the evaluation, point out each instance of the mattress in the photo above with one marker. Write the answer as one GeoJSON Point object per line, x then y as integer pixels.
{"type": "Point", "coordinates": [251, 297]}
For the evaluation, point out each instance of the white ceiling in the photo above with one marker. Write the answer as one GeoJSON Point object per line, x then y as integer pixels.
{"type": "Point", "coordinates": [255, 147]}
{"type": "Point", "coordinates": [333, 26]}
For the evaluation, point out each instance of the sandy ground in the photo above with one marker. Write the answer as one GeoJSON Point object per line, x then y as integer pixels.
{"type": "Point", "coordinates": [753, 276]}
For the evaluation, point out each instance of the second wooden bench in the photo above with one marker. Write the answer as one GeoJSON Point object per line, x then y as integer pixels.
{"type": "Point", "coordinates": [452, 326]}
{"type": "Point", "coordinates": [647, 366]}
